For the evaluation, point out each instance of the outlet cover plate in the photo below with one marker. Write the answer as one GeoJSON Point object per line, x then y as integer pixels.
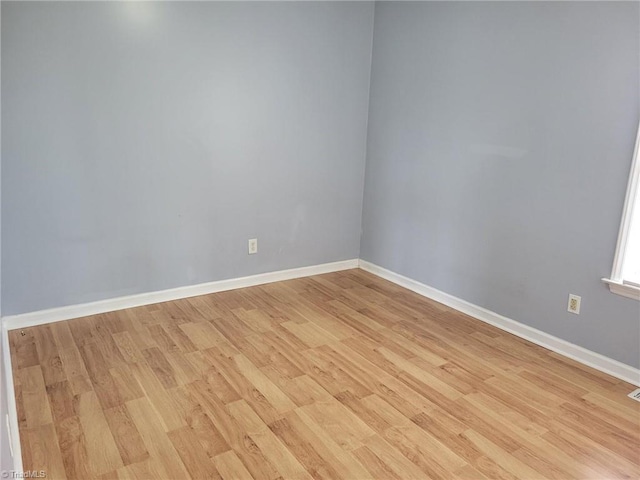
{"type": "Point", "coordinates": [253, 246]}
{"type": "Point", "coordinates": [573, 305]}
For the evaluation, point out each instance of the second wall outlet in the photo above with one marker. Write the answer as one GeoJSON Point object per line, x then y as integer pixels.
{"type": "Point", "coordinates": [253, 246]}
{"type": "Point", "coordinates": [574, 304]}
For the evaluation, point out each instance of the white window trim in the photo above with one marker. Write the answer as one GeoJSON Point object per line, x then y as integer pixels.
{"type": "Point", "coordinates": [616, 282]}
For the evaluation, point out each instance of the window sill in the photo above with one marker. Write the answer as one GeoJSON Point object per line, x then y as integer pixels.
{"type": "Point", "coordinates": [623, 289]}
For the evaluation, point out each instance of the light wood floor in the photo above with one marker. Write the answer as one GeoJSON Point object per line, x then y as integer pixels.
{"type": "Point", "coordinates": [336, 376]}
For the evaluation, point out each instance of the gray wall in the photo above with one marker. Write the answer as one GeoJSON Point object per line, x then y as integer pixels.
{"type": "Point", "coordinates": [499, 146]}
{"type": "Point", "coordinates": [145, 143]}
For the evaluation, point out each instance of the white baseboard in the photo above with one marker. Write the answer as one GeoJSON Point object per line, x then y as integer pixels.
{"type": "Point", "coordinates": [575, 352]}
{"type": "Point", "coordinates": [12, 411]}
{"type": "Point", "coordinates": [110, 305]}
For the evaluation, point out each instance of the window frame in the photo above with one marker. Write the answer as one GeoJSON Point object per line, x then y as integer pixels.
{"type": "Point", "coordinates": [616, 281]}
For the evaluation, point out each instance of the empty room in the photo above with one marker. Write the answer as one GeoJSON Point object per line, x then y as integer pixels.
{"type": "Point", "coordinates": [328, 240]}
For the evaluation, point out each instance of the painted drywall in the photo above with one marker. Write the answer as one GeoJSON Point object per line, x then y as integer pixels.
{"type": "Point", "coordinates": [499, 146]}
{"type": "Point", "coordinates": [145, 143]}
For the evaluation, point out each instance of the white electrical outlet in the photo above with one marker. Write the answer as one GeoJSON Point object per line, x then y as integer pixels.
{"type": "Point", "coordinates": [253, 246]}
{"type": "Point", "coordinates": [574, 304]}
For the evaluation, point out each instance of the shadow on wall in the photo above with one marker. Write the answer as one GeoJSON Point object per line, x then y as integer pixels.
{"type": "Point", "coordinates": [494, 173]}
